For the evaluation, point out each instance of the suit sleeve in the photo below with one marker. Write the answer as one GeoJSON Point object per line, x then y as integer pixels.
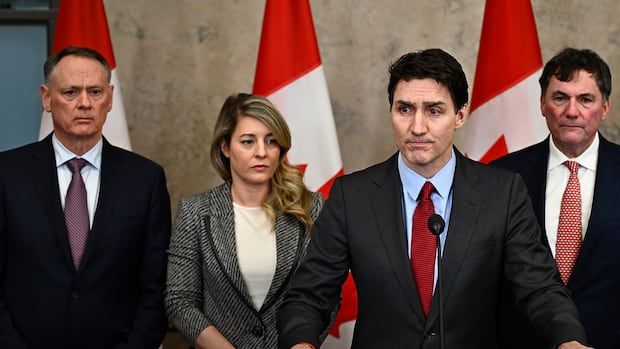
{"type": "Point", "coordinates": [9, 338]}
{"type": "Point", "coordinates": [315, 289]}
{"type": "Point", "coordinates": [184, 288]}
{"type": "Point", "coordinates": [150, 324]}
{"type": "Point", "coordinates": [531, 271]}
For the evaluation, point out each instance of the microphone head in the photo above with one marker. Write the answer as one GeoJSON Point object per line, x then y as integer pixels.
{"type": "Point", "coordinates": [436, 224]}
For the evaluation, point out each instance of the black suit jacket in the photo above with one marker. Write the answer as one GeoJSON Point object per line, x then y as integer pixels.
{"type": "Point", "coordinates": [492, 233]}
{"type": "Point", "coordinates": [595, 280]}
{"type": "Point", "coordinates": [115, 298]}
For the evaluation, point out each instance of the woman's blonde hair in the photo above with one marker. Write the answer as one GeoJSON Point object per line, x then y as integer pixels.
{"type": "Point", "coordinates": [288, 193]}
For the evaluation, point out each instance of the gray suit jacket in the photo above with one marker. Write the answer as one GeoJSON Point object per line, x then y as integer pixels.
{"type": "Point", "coordinates": [205, 286]}
{"type": "Point", "coordinates": [493, 234]}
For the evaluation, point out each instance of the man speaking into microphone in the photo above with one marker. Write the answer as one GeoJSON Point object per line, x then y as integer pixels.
{"type": "Point", "coordinates": [376, 224]}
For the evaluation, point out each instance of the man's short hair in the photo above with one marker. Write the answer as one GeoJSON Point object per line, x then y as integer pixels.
{"type": "Point", "coordinates": [55, 58]}
{"type": "Point", "coordinates": [433, 64]}
{"type": "Point", "coordinates": [569, 61]}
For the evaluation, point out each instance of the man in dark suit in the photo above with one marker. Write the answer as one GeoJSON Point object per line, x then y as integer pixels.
{"type": "Point", "coordinates": [575, 100]}
{"type": "Point", "coordinates": [84, 226]}
{"type": "Point", "coordinates": [375, 223]}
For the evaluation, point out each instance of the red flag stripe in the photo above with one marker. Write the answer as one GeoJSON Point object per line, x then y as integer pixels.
{"type": "Point", "coordinates": [287, 24]}
{"type": "Point", "coordinates": [325, 188]}
{"type": "Point", "coordinates": [497, 150]}
{"type": "Point", "coordinates": [348, 306]}
{"type": "Point", "coordinates": [73, 15]}
{"type": "Point", "coordinates": [509, 49]}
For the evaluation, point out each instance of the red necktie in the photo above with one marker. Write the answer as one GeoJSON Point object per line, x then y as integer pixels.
{"type": "Point", "coordinates": [423, 245]}
{"type": "Point", "coordinates": [76, 211]}
{"type": "Point", "coordinates": [568, 241]}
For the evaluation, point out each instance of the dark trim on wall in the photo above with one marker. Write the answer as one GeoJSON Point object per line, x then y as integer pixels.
{"type": "Point", "coordinates": [46, 17]}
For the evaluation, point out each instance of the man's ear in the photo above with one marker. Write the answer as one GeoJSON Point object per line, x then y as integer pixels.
{"type": "Point", "coordinates": [461, 116]}
{"type": "Point", "coordinates": [109, 106]}
{"type": "Point", "coordinates": [45, 98]}
{"type": "Point", "coordinates": [606, 107]}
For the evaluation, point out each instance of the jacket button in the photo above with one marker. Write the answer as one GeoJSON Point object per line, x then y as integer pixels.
{"type": "Point", "coordinates": [74, 294]}
{"type": "Point", "coordinates": [257, 331]}
{"type": "Point", "coordinates": [429, 335]}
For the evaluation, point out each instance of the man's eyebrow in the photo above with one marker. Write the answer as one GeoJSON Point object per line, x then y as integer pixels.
{"type": "Point", "coordinates": [434, 103]}
{"type": "Point", "coordinates": [402, 102]}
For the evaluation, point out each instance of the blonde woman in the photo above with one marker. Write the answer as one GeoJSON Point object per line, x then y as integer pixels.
{"type": "Point", "coordinates": [235, 247]}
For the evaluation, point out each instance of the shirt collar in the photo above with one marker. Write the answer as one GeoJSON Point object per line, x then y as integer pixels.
{"type": "Point", "coordinates": [587, 159]}
{"type": "Point", "coordinates": [442, 180]}
{"type": "Point", "coordinates": [62, 154]}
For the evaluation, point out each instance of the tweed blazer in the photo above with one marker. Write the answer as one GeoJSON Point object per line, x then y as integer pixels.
{"type": "Point", "coordinates": [205, 286]}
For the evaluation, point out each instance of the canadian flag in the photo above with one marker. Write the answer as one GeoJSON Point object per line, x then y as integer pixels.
{"type": "Point", "coordinates": [290, 74]}
{"type": "Point", "coordinates": [505, 103]}
{"type": "Point", "coordinates": [84, 23]}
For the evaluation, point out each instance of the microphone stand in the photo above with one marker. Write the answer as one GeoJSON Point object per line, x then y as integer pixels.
{"type": "Point", "coordinates": [436, 225]}
{"type": "Point", "coordinates": [440, 291]}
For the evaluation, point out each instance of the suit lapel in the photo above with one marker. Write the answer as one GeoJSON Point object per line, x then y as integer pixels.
{"type": "Point", "coordinates": [463, 217]}
{"type": "Point", "coordinates": [387, 206]}
{"type": "Point", "coordinates": [44, 176]}
{"type": "Point", "coordinates": [222, 227]}
{"type": "Point", "coordinates": [606, 190]}
{"type": "Point", "coordinates": [112, 178]}
{"type": "Point", "coordinates": [288, 244]}
{"type": "Point", "coordinates": [535, 179]}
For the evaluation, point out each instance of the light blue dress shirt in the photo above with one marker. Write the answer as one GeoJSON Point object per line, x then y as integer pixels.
{"type": "Point", "coordinates": [441, 197]}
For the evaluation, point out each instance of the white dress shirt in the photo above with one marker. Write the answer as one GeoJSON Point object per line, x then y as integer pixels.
{"type": "Point", "coordinates": [557, 178]}
{"type": "Point", "coordinates": [90, 173]}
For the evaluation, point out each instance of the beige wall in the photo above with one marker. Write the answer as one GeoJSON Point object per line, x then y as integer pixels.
{"type": "Point", "coordinates": [178, 60]}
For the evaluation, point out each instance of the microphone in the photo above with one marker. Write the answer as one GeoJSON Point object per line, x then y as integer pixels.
{"type": "Point", "coordinates": [436, 225]}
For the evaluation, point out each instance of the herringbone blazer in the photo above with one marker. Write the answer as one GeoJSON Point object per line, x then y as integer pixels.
{"type": "Point", "coordinates": [205, 286]}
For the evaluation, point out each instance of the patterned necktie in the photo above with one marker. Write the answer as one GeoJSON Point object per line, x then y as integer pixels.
{"type": "Point", "coordinates": [568, 241]}
{"type": "Point", "coordinates": [423, 246]}
{"type": "Point", "coordinates": [76, 211]}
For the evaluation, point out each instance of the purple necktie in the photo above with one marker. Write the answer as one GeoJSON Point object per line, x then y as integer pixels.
{"type": "Point", "coordinates": [76, 211]}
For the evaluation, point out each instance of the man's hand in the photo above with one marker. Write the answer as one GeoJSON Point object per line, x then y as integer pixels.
{"type": "Point", "coordinates": [573, 345]}
{"type": "Point", "coordinates": [303, 346]}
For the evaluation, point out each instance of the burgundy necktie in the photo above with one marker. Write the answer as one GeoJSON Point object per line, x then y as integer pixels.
{"type": "Point", "coordinates": [569, 237]}
{"type": "Point", "coordinates": [423, 245]}
{"type": "Point", "coordinates": [76, 211]}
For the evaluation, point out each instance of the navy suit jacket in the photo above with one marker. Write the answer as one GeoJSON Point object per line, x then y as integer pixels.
{"type": "Point", "coordinates": [115, 298]}
{"type": "Point", "coordinates": [595, 280]}
{"type": "Point", "coordinates": [493, 233]}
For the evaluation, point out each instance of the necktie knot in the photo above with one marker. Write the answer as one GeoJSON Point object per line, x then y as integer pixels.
{"type": "Point", "coordinates": [426, 191]}
{"type": "Point", "coordinates": [76, 165]}
{"type": "Point", "coordinates": [573, 166]}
